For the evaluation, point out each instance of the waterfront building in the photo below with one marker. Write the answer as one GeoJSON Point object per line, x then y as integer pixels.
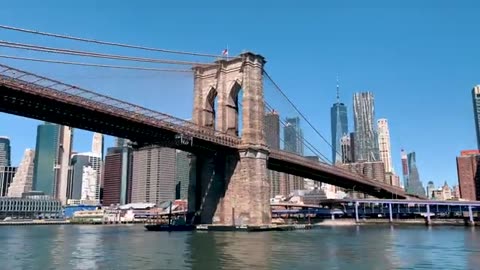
{"type": "Point", "coordinates": [30, 206]}
{"type": "Point", "coordinates": [98, 144]}
{"type": "Point", "coordinates": [430, 189]}
{"type": "Point", "coordinates": [444, 193]}
{"type": "Point", "coordinates": [154, 175]}
{"type": "Point", "coordinates": [6, 177]}
{"type": "Point", "coordinates": [476, 111]}
{"type": "Point", "coordinates": [468, 174]}
{"type": "Point", "coordinates": [339, 126]}
{"type": "Point", "coordinates": [5, 152]}
{"type": "Point", "coordinates": [272, 137]}
{"type": "Point", "coordinates": [366, 139]}
{"type": "Point", "coordinates": [52, 157]}
{"type": "Point", "coordinates": [314, 197]}
{"type": "Point", "coordinates": [384, 146]}
{"type": "Point", "coordinates": [117, 176]}
{"type": "Point", "coordinates": [23, 180]}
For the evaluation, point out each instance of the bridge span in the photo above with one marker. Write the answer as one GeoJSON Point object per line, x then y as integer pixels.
{"type": "Point", "coordinates": [235, 165]}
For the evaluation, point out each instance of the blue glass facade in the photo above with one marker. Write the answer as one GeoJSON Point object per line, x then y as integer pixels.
{"type": "Point", "coordinates": [77, 163]}
{"type": "Point", "coordinates": [46, 153]}
{"type": "Point", "coordinates": [293, 136]}
{"type": "Point", "coordinates": [413, 184]}
{"type": "Point", "coordinates": [339, 127]}
{"type": "Point", "coordinates": [5, 152]}
{"type": "Point", "coordinates": [476, 111]}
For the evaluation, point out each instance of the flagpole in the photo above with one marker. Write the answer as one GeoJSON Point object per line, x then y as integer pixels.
{"type": "Point", "coordinates": [227, 51]}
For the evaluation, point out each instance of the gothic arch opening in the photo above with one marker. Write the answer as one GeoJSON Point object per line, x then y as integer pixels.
{"type": "Point", "coordinates": [210, 108]}
{"type": "Point", "coordinates": [235, 110]}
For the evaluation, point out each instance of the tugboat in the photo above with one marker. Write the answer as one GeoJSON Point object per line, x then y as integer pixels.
{"type": "Point", "coordinates": [178, 225]}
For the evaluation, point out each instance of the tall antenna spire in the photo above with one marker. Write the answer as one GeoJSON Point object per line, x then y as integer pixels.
{"type": "Point", "coordinates": [338, 91]}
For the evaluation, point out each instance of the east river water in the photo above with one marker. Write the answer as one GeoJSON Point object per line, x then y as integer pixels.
{"type": "Point", "coordinates": [131, 247]}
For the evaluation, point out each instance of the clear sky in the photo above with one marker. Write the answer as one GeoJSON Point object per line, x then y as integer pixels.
{"type": "Point", "coordinates": [420, 61]}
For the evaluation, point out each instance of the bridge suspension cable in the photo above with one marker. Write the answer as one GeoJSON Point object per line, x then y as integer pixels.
{"type": "Point", "coordinates": [105, 42]}
{"type": "Point", "coordinates": [24, 46]}
{"type": "Point", "coordinates": [92, 64]}
{"type": "Point", "coordinates": [306, 143]}
{"type": "Point", "coordinates": [277, 87]}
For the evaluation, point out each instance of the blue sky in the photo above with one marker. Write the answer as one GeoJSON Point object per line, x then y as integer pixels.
{"type": "Point", "coordinates": [419, 61]}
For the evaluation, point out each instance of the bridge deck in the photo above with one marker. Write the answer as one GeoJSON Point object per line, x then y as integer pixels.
{"type": "Point", "coordinates": [29, 95]}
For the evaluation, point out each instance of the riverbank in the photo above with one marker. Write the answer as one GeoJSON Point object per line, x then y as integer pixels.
{"type": "Point", "coordinates": [34, 222]}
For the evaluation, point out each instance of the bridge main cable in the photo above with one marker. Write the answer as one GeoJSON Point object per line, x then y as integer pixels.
{"type": "Point", "coordinates": [31, 47]}
{"type": "Point", "coordinates": [105, 42]}
{"type": "Point", "coordinates": [296, 109]}
{"type": "Point", "coordinates": [305, 142]}
{"type": "Point", "coordinates": [92, 64]}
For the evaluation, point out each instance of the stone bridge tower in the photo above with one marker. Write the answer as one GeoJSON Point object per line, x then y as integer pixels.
{"type": "Point", "coordinates": [232, 188]}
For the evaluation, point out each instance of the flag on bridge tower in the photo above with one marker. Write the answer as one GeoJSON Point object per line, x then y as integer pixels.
{"type": "Point", "coordinates": [225, 52]}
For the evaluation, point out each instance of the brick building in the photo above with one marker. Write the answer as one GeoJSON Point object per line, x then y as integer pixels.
{"type": "Point", "coordinates": [469, 175]}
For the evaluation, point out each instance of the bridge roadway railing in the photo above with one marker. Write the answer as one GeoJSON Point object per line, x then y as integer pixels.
{"type": "Point", "coordinates": [45, 87]}
{"type": "Point", "coordinates": [340, 172]}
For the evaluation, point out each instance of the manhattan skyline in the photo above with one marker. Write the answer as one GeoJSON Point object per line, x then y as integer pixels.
{"type": "Point", "coordinates": [390, 59]}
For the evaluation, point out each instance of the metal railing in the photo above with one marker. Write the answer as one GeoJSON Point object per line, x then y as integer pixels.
{"type": "Point", "coordinates": [37, 85]}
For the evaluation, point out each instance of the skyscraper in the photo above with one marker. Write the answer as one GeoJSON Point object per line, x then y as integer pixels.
{"type": "Point", "coordinates": [7, 173]}
{"type": "Point", "coordinates": [272, 129]}
{"type": "Point", "coordinates": [384, 144]}
{"type": "Point", "coordinates": [476, 111]}
{"type": "Point", "coordinates": [404, 167]}
{"type": "Point", "coordinates": [346, 149]}
{"type": "Point", "coordinates": [182, 175]}
{"type": "Point", "coordinates": [5, 152]}
{"type": "Point", "coordinates": [117, 176]}
{"type": "Point", "coordinates": [46, 154]}
{"type": "Point", "coordinates": [153, 174]}
{"type": "Point", "coordinates": [120, 142]}
{"type": "Point", "coordinates": [272, 135]}
{"type": "Point", "coordinates": [62, 166]}
{"type": "Point", "coordinates": [339, 126]}
{"type": "Point", "coordinates": [366, 143]}
{"type": "Point", "coordinates": [468, 165]}
{"type": "Point", "coordinates": [413, 184]}
{"type": "Point", "coordinates": [52, 158]}
{"type": "Point", "coordinates": [97, 144]}
{"type": "Point", "coordinates": [77, 162]}
{"type": "Point", "coordinates": [293, 136]}
{"type": "Point", "coordinates": [81, 178]}
{"type": "Point", "coordinates": [430, 189]}
{"type": "Point", "coordinates": [90, 184]}
{"type": "Point", "coordinates": [23, 179]}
